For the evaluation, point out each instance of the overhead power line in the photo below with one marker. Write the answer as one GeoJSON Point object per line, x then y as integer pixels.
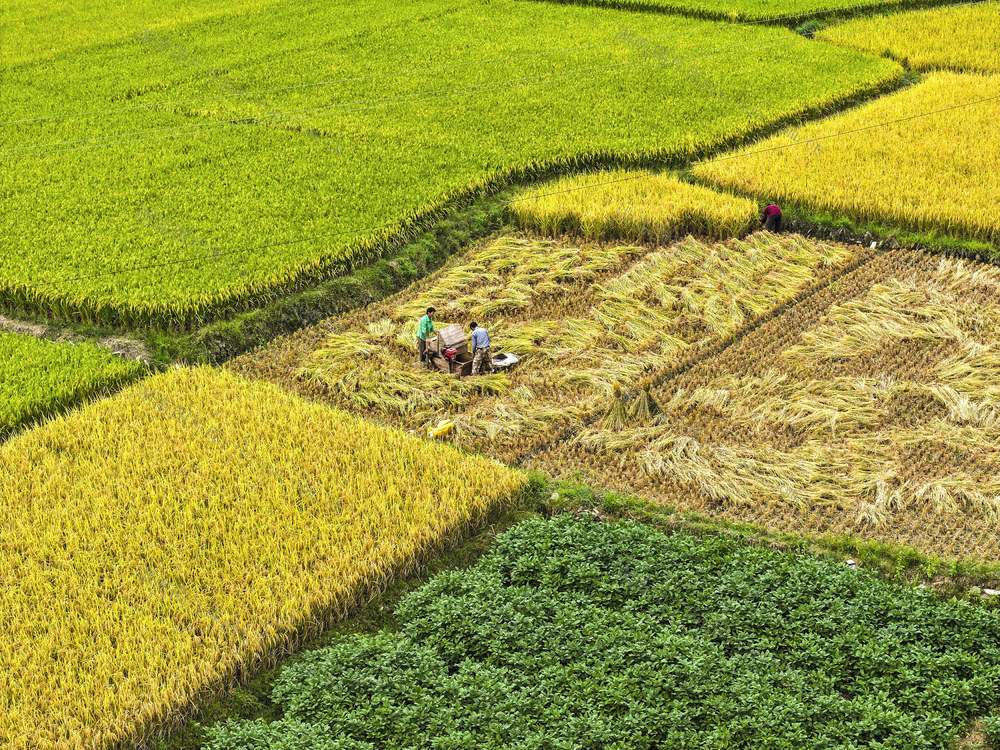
{"type": "Point", "coordinates": [411, 71]}
{"type": "Point", "coordinates": [385, 102]}
{"type": "Point", "coordinates": [370, 230]}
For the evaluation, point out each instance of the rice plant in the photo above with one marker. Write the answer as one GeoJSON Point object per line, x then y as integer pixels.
{"type": "Point", "coordinates": [957, 39]}
{"type": "Point", "coordinates": [587, 321]}
{"type": "Point", "coordinates": [635, 206]}
{"type": "Point", "coordinates": [39, 377]}
{"type": "Point", "coordinates": [170, 538]}
{"type": "Point", "coordinates": [847, 175]}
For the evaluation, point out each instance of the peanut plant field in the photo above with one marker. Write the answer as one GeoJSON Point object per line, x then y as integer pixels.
{"type": "Point", "coordinates": [575, 633]}
{"type": "Point", "coordinates": [158, 544]}
{"type": "Point", "coordinates": [308, 180]}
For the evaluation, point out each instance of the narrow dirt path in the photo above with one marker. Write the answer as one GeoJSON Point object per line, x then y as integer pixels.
{"type": "Point", "coordinates": [27, 329]}
{"type": "Point", "coordinates": [123, 346]}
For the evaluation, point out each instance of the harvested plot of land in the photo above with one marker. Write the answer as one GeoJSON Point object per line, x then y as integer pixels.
{"type": "Point", "coordinates": [39, 377]}
{"type": "Point", "coordinates": [578, 634]}
{"type": "Point", "coordinates": [957, 39]}
{"type": "Point", "coordinates": [872, 408]}
{"type": "Point", "coordinates": [247, 178]}
{"type": "Point", "coordinates": [632, 205]}
{"type": "Point", "coordinates": [935, 172]}
{"type": "Point", "coordinates": [161, 542]}
{"type": "Point", "coordinates": [584, 319]}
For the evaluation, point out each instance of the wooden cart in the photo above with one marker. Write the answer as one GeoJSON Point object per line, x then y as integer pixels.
{"type": "Point", "coordinates": [448, 351]}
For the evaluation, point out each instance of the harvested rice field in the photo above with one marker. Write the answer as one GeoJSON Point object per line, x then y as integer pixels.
{"type": "Point", "coordinates": [872, 408]}
{"type": "Point", "coordinates": [585, 319]}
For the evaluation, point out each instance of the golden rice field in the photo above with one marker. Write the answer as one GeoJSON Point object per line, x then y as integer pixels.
{"type": "Point", "coordinates": [931, 173]}
{"type": "Point", "coordinates": [162, 542]}
{"type": "Point", "coordinates": [585, 319]}
{"type": "Point", "coordinates": [872, 408]}
{"type": "Point", "coordinates": [958, 39]}
{"type": "Point", "coordinates": [632, 205]}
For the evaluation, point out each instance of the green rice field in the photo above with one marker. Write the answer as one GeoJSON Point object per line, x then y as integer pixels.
{"type": "Point", "coordinates": [174, 214]}
{"type": "Point", "coordinates": [38, 377]}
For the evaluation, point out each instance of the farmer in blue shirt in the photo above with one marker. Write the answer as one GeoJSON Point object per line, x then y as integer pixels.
{"type": "Point", "coordinates": [482, 357]}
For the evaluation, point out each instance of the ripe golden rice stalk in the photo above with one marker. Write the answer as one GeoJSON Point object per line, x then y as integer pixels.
{"type": "Point", "coordinates": [637, 206]}
{"type": "Point", "coordinates": [644, 408]}
{"type": "Point", "coordinates": [382, 329]}
{"type": "Point", "coordinates": [955, 38]}
{"type": "Point", "coordinates": [846, 174]}
{"type": "Point", "coordinates": [617, 414]}
{"type": "Point", "coordinates": [360, 374]}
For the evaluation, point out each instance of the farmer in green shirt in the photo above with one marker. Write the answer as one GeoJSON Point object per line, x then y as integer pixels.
{"type": "Point", "coordinates": [426, 329]}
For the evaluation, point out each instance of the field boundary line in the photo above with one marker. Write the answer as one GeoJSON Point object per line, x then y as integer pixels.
{"type": "Point", "coordinates": [863, 260]}
{"type": "Point", "coordinates": [705, 14]}
{"type": "Point", "coordinates": [79, 400]}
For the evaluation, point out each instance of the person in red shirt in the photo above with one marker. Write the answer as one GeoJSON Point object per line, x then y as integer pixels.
{"type": "Point", "coordinates": [771, 218]}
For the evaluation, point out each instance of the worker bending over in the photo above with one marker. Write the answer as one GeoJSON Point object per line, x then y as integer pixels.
{"type": "Point", "coordinates": [771, 218]}
{"type": "Point", "coordinates": [426, 329]}
{"type": "Point", "coordinates": [482, 357]}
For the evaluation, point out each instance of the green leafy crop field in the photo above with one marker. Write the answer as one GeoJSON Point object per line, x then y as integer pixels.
{"type": "Point", "coordinates": [38, 377]}
{"type": "Point", "coordinates": [174, 214]}
{"type": "Point", "coordinates": [578, 634]}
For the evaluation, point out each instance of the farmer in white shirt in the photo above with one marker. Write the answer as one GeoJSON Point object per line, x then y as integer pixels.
{"type": "Point", "coordinates": [482, 357]}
